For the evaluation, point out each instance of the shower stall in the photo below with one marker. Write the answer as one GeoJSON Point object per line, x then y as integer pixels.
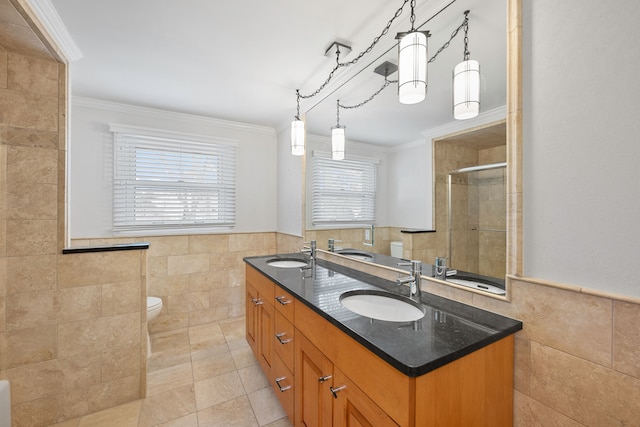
{"type": "Point", "coordinates": [477, 219]}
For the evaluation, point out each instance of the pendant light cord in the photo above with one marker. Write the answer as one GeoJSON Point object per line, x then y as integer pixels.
{"type": "Point", "coordinates": [361, 54]}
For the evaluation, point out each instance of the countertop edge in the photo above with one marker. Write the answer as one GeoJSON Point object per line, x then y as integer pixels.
{"type": "Point", "coordinates": [106, 248]}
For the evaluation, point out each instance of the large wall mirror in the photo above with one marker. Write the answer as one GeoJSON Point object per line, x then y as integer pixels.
{"type": "Point", "coordinates": [418, 147]}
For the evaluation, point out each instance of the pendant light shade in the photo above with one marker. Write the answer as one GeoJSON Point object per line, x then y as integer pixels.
{"type": "Point", "coordinates": [297, 137]}
{"type": "Point", "coordinates": [466, 89]}
{"type": "Point", "coordinates": [337, 143]}
{"type": "Point", "coordinates": [412, 66]}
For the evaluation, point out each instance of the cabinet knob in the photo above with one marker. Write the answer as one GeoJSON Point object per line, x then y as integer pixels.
{"type": "Point", "coordinates": [325, 378]}
{"type": "Point", "coordinates": [256, 301]}
{"type": "Point", "coordinates": [336, 390]}
{"type": "Point", "coordinates": [282, 300]}
{"type": "Point", "coordinates": [282, 388]}
{"type": "Point", "coordinates": [283, 341]}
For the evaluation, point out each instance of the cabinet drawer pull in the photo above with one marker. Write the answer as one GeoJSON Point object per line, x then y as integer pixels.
{"type": "Point", "coordinates": [283, 341]}
{"type": "Point", "coordinates": [325, 378]}
{"type": "Point", "coordinates": [281, 299]}
{"type": "Point", "coordinates": [337, 389]}
{"type": "Point", "coordinates": [282, 389]}
{"type": "Point", "coordinates": [256, 301]}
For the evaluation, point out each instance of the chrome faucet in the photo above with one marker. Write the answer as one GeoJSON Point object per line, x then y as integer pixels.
{"type": "Point", "coordinates": [331, 246]}
{"type": "Point", "coordinates": [440, 268]}
{"type": "Point", "coordinates": [413, 279]}
{"type": "Point", "coordinates": [311, 249]}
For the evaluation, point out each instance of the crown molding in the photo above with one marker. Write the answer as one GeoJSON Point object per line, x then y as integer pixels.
{"type": "Point", "coordinates": [99, 104]}
{"type": "Point", "coordinates": [52, 23]}
{"type": "Point", "coordinates": [487, 117]}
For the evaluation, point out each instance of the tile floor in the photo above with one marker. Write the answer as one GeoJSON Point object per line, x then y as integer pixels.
{"type": "Point", "coordinates": [199, 376]}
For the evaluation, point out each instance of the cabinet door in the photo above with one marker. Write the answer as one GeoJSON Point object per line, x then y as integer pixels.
{"type": "Point", "coordinates": [353, 408]}
{"type": "Point", "coordinates": [314, 402]}
{"type": "Point", "coordinates": [265, 335]}
{"type": "Point", "coordinates": [252, 318]}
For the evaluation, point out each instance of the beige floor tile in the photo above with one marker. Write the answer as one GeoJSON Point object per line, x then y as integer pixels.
{"type": "Point", "coordinates": [265, 406]}
{"type": "Point", "coordinates": [204, 351]}
{"type": "Point", "coordinates": [229, 388]}
{"type": "Point", "coordinates": [253, 379]}
{"type": "Point", "coordinates": [190, 420]}
{"type": "Point", "coordinates": [207, 334]}
{"type": "Point", "coordinates": [213, 366]}
{"type": "Point", "coordinates": [169, 378]}
{"type": "Point", "coordinates": [233, 329]}
{"type": "Point", "coordinates": [218, 389]}
{"type": "Point", "coordinates": [69, 423]}
{"type": "Point", "coordinates": [243, 357]}
{"type": "Point", "coordinates": [169, 349]}
{"type": "Point", "coordinates": [122, 416]}
{"type": "Point", "coordinates": [167, 406]}
{"type": "Point", "coordinates": [282, 422]}
{"type": "Point", "coordinates": [235, 412]}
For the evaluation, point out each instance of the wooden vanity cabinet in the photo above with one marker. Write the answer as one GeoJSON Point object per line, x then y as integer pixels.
{"type": "Point", "coordinates": [260, 318]}
{"type": "Point", "coordinates": [270, 333]}
{"type": "Point", "coordinates": [326, 397]}
{"type": "Point", "coordinates": [323, 377]}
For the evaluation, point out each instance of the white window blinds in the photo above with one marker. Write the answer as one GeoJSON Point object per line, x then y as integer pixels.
{"type": "Point", "coordinates": [171, 181]}
{"type": "Point", "coordinates": [343, 191]}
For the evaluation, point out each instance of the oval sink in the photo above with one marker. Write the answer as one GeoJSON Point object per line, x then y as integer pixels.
{"type": "Point", "coordinates": [382, 305]}
{"type": "Point", "coordinates": [355, 254]}
{"type": "Point", "coordinates": [286, 263]}
{"type": "Point", "coordinates": [482, 285]}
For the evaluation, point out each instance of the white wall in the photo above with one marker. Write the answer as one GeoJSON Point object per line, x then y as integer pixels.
{"type": "Point", "coordinates": [290, 181]}
{"type": "Point", "coordinates": [90, 168]}
{"type": "Point", "coordinates": [411, 186]}
{"type": "Point", "coordinates": [582, 143]}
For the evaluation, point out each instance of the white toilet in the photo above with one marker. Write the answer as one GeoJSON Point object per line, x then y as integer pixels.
{"type": "Point", "coordinates": [154, 307]}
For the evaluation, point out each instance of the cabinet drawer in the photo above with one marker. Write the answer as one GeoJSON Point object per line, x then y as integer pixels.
{"type": "Point", "coordinates": [284, 340]}
{"type": "Point", "coordinates": [263, 285]}
{"type": "Point", "coordinates": [284, 303]}
{"type": "Point", "coordinates": [282, 382]}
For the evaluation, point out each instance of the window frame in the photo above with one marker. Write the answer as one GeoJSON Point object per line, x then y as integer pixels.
{"type": "Point", "coordinates": [371, 195]}
{"type": "Point", "coordinates": [190, 189]}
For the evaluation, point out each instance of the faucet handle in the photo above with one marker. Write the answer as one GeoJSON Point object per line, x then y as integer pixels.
{"type": "Point", "coordinates": [416, 265]}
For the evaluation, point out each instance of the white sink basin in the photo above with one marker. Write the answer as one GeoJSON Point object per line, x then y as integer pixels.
{"type": "Point", "coordinates": [476, 284]}
{"type": "Point", "coordinates": [363, 256]}
{"type": "Point", "coordinates": [286, 263]}
{"type": "Point", "coordinates": [382, 305]}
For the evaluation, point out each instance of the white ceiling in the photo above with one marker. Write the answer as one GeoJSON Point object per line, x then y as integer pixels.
{"type": "Point", "coordinates": [244, 60]}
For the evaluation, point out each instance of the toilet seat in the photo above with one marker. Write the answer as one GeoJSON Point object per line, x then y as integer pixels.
{"type": "Point", "coordinates": [154, 303]}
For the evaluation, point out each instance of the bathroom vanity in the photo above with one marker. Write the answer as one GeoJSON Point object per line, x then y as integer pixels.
{"type": "Point", "coordinates": [333, 367]}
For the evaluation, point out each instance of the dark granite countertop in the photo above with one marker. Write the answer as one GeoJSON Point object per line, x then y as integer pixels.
{"type": "Point", "coordinates": [448, 331]}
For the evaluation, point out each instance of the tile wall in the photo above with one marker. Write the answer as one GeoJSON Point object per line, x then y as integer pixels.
{"type": "Point", "coordinates": [200, 278]}
{"type": "Point", "coordinates": [70, 325]}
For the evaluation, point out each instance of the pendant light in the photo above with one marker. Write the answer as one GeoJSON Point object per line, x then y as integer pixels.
{"type": "Point", "coordinates": [297, 132]}
{"type": "Point", "coordinates": [466, 82]}
{"type": "Point", "coordinates": [337, 137]}
{"type": "Point", "coordinates": [412, 63]}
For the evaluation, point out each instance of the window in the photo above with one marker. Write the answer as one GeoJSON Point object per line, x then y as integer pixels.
{"type": "Point", "coordinates": [343, 191]}
{"type": "Point", "coordinates": [168, 180]}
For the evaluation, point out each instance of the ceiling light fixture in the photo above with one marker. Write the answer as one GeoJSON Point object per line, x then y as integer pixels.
{"type": "Point", "coordinates": [337, 137]}
{"type": "Point", "coordinates": [297, 126]}
{"type": "Point", "coordinates": [297, 132]}
{"type": "Point", "coordinates": [412, 63]}
{"type": "Point", "coordinates": [466, 82]}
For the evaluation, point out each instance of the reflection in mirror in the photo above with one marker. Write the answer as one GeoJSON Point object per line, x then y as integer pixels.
{"type": "Point", "coordinates": [427, 197]}
{"type": "Point", "coordinates": [477, 214]}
